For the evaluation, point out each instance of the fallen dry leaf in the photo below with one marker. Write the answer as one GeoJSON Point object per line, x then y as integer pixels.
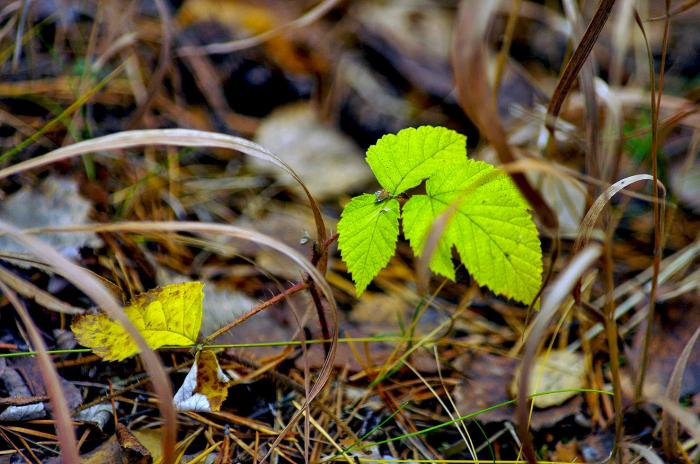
{"type": "Point", "coordinates": [212, 382]}
{"type": "Point", "coordinates": [170, 315]}
{"type": "Point", "coordinates": [488, 377]}
{"type": "Point", "coordinates": [122, 447]}
{"type": "Point", "coordinates": [556, 370]}
{"type": "Point", "coordinates": [54, 203]}
{"type": "Point", "coordinates": [328, 161]}
{"type": "Point", "coordinates": [677, 320]}
{"type": "Point", "coordinates": [206, 386]}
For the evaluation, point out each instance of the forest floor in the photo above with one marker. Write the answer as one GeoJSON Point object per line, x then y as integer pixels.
{"type": "Point", "coordinates": [594, 111]}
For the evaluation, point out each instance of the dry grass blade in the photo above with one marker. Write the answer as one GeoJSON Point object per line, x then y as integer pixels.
{"type": "Point", "coordinates": [163, 58]}
{"type": "Point", "coordinates": [92, 287]}
{"type": "Point", "coordinates": [476, 96]}
{"type": "Point", "coordinates": [578, 59]}
{"type": "Point", "coordinates": [686, 418]}
{"type": "Point", "coordinates": [656, 93]}
{"type": "Point", "coordinates": [587, 85]}
{"type": "Point", "coordinates": [669, 427]}
{"type": "Point", "coordinates": [683, 7]}
{"type": "Point", "coordinates": [598, 206]}
{"type": "Point", "coordinates": [61, 413]}
{"type": "Point", "coordinates": [646, 453]}
{"type": "Point", "coordinates": [29, 290]}
{"type": "Point", "coordinates": [228, 47]}
{"type": "Point", "coordinates": [551, 301]}
{"type": "Point", "coordinates": [169, 137]}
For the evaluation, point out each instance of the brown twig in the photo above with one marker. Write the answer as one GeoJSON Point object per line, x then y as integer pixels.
{"type": "Point", "coordinates": [261, 307]}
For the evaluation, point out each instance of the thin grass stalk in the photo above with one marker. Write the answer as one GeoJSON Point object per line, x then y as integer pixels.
{"type": "Point", "coordinates": [252, 312]}
{"type": "Point", "coordinates": [657, 210]}
{"type": "Point", "coordinates": [304, 20]}
{"type": "Point", "coordinates": [586, 82]}
{"type": "Point", "coordinates": [163, 59]}
{"type": "Point", "coordinates": [613, 348]}
{"type": "Point", "coordinates": [552, 300]}
{"type": "Point", "coordinates": [505, 47]}
{"type": "Point", "coordinates": [61, 413]}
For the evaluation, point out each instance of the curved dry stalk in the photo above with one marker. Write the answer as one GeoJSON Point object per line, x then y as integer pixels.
{"type": "Point", "coordinates": [64, 425]}
{"type": "Point", "coordinates": [646, 453]}
{"type": "Point", "coordinates": [94, 289]}
{"type": "Point", "coordinates": [241, 44]}
{"type": "Point", "coordinates": [32, 292]}
{"type": "Point", "coordinates": [245, 234]}
{"type": "Point", "coordinates": [587, 225]}
{"type": "Point", "coordinates": [669, 427]}
{"type": "Point", "coordinates": [169, 137]}
{"type": "Point", "coordinates": [551, 301]}
{"type": "Point", "coordinates": [594, 212]}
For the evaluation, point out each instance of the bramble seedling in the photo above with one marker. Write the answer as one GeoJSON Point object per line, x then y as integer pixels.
{"type": "Point", "coordinates": [489, 221]}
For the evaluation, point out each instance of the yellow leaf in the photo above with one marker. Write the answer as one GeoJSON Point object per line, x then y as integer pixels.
{"type": "Point", "coordinates": [205, 387]}
{"type": "Point", "coordinates": [211, 380]}
{"type": "Point", "coordinates": [170, 315]}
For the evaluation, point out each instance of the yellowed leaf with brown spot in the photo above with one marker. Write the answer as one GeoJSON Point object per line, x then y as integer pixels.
{"type": "Point", "coordinates": [212, 382]}
{"type": "Point", "coordinates": [170, 315]}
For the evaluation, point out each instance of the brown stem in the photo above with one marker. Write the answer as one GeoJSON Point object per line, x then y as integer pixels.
{"type": "Point", "coordinates": [316, 298]}
{"type": "Point", "coordinates": [262, 306]}
{"type": "Point", "coordinates": [658, 229]}
{"type": "Point", "coordinates": [320, 260]}
{"type": "Point", "coordinates": [611, 334]}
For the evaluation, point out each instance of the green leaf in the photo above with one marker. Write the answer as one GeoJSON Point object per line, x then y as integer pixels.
{"type": "Point", "coordinates": [491, 228]}
{"type": "Point", "coordinates": [418, 216]}
{"type": "Point", "coordinates": [367, 233]}
{"type": "Point", "coordinates": [403, 160]}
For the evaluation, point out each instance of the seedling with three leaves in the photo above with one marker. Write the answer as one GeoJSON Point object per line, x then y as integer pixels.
{"type": "Point", "coordinates": [486, 219]}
